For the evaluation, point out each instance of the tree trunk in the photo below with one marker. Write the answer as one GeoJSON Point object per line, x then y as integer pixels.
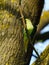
{"type": "Point", "coordinates": [11, 36]}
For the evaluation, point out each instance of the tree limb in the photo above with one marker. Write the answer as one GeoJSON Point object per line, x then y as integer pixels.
{"type": "Point", "coordinates": [43, 36]}
{"type": "Point", "coordinates": [44, 58]}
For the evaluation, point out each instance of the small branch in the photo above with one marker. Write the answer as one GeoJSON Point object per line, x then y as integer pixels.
{"type": "Point", "coordinates": [44, 58]}
{"type": "Point", "coordinates": [43, 36]}
{"type": "Point", "coordinates": [22, 17]}
{"type": "Point", "coordinates": [21, 13]}
{"type": "Point", "coordinates": [34, 56]}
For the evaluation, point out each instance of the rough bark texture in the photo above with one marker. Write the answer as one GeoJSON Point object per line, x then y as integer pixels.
{"type": "Point", "coordinates": [44, 58]}
{"type": "Point", "coordinates": [11, 40]}
{"type": "Point", "coordinates": [11, 35]}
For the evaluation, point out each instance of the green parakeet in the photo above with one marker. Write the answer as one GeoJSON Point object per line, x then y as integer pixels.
{"type": "Point", "coordinates": [29, 29]}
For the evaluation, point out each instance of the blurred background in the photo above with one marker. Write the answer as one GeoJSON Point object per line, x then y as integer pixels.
{"type": "Point", "coordinates": [42, 45]}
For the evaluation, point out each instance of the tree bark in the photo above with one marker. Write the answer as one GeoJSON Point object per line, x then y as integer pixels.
{"type": "Point", "coordinates": [32, 9]}
{"type": "Point", "coordinates": [11, 35]}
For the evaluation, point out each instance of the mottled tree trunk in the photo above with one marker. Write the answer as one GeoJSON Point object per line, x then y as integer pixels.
{"type": "Point", "coordinates": [11, 35]}
{"type": "Point", "coordinates": [11, 40]}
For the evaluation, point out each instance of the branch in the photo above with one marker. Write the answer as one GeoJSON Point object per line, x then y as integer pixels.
{"type": "Point", "coordinates": [43, 36]}
{"type": "Point", "coordinates": [42, 24]}
{"type": "Point", "coordinates": [44, 58]}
